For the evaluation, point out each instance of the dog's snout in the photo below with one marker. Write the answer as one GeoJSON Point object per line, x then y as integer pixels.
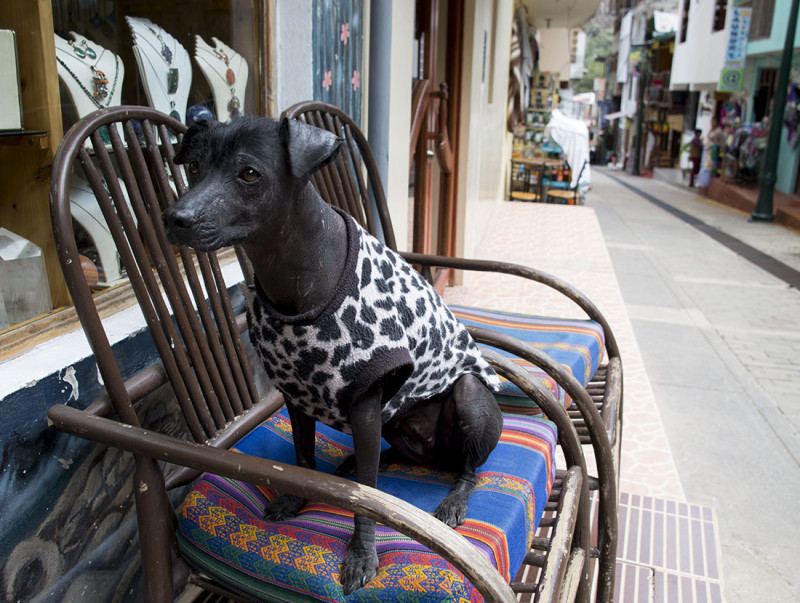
{"type": "Point", "coordinates": [179, 223]}
{"type": "Point", "coordinates": [177, 220]}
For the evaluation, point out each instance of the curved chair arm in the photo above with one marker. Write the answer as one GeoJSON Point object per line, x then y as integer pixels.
{"type": "Point", "coordinates": [527, 272]}
{"type": "Point", "coordinates": [390, 511]}
{"type": "Point", "coordinates": [570, 443]}
{"type": "Point", "coordinates": [601, 445]}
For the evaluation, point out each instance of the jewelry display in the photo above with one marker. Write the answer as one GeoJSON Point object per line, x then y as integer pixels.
{"type": "Point", "coordinates": [91, 74]}
{"type": "Point", "coordinates": [226, 71]}
{"type": "Point", "coordinates": [164, 65]}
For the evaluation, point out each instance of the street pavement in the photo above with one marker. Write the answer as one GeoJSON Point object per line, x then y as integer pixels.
{"type": "Point", "coordinates": [720, 339]}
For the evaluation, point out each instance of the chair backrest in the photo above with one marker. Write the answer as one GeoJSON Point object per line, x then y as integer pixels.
{"type": "Point", "coordinates": [126, 155]}
{"type": "Point", "coordinates": [352, 182]}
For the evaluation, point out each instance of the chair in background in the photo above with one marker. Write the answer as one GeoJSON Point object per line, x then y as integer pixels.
{"type": "Point", "coordinates": [527, 180]}
{"type": "Point", "coordinates": [238, 436]}
{"type": "Point", "coordinates": [592, 394]}
{"type": "Point", "coordinates": [566, 195]}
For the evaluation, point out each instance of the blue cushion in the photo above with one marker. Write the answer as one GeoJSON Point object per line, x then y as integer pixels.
{"type": "Point", "coordinates": [221, 530]}
{"type": "Point", "coordinates": [577, 344]}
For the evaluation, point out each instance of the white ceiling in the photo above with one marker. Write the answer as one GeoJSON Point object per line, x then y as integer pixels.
{"type": "Point", "coordinates": [560, 13]}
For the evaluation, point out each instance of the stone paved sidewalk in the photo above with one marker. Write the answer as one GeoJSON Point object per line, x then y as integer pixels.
{"type": "Point", "coordinates": [719, 337]}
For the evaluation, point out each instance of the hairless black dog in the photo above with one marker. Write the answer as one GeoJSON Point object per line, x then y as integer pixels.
{"type": "Point", "coordinates": [350, 334]}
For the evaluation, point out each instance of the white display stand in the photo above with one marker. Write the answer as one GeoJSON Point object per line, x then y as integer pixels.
{"type": "Point", "coordinates": [10, 99]}
{"type": "Point", "coordinates": [226, 72]}
{"type": "Point", "coordinates": [91, 74]}
{"type": "Point", "coordinates": [164, 65]}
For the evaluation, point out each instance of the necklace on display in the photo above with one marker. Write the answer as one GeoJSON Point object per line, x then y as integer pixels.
{"type": "Point", "coordinates": [101, 93]}
{"type": "Point", "coordinates": [234, 104]}
{"type": "Point", "coordinates": [166, 54]}
{"type": "Point", "coordinates": [173, 112]}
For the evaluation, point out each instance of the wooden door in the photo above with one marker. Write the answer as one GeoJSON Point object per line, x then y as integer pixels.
{"type": "Point", "coordinates": [434, 127]}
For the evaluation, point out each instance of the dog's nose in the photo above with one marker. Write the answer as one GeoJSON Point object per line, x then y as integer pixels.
{"type": "Point", "coordinates": [177, 222]}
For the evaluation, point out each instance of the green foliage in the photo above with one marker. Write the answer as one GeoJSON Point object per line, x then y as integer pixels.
{"type": "Point", "coordinates": [599, 41]}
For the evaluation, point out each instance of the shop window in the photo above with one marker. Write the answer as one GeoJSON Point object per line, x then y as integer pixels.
{"type": "Point", "coordinates": [720, 13]}
{"type": "Point", "coordinates": [188, 58]}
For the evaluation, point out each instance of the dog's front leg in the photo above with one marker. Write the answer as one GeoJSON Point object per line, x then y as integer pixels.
{"type": "Point", "coordinates": [361, 562]}
{"type": "Point", "coordinates": [286, 506]}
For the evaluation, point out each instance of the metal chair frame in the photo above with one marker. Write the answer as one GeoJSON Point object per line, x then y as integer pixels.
{"type": "Point", "coordinates": [352, 183]}
{"type": "Point", "coordinates": [186, 303]}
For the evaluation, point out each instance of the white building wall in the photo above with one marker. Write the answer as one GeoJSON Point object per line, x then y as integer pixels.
{"type": "Point", "coordinates": [697, 62]}
{"type": "Point", "coordinates": [554, 50]}
{"type": "Point", "coordinates": [576, 68]}
{"type": "Point", "coordinates": [293, 53]}
{"type": "Point", "coordinates": [400, 120]}
{"type": "Point", "coordinates": [485, 144]}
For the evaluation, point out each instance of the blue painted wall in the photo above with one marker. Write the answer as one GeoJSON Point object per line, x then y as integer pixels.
{"type": "Point", "coordinates": [68, 521]}
{"type": "Point", "coordinates": [337, 40]}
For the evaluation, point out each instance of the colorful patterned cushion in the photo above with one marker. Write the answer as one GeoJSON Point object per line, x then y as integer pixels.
{"type": "Point", "coordinates": [577, 344]}
{"type": "Point", "coordinates": [220, 529]}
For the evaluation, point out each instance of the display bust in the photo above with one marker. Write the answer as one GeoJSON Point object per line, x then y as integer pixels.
{"type": "Point", "coordinates": [226, 72]}
{"type": "Point", "coordinates": [164, 65]}
{"type": "Point", "coordinates": [91, 74]}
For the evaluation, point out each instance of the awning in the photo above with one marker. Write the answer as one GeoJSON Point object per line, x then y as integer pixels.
{"type": "Point", "coordinates": [615, 115]}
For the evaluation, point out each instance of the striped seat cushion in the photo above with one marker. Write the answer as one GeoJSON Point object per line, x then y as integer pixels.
{"type": "Point", "coordinates": [577, 344]}
{"type": "Point", "coordinates": [221, 530]}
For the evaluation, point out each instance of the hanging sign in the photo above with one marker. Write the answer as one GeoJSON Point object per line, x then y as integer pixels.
{"type": "Point", "coordinates": [736, 50]}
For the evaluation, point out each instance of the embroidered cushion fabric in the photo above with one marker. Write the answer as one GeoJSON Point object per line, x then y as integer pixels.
{"type": "Point", "coordinates": [384, 324]}
{"type": "Point", "coordinates": [577, 344]}
{"type": "Point", "coordinates": [221, 530]}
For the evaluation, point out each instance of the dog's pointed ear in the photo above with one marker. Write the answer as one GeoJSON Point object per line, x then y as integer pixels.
{"type": "Point", "coordinates": [308, 148]}
{"type": "Point", "coordinates": [191, 139]}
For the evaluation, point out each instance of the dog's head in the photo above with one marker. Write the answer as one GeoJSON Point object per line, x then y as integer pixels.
{"type": "Point", "coordinates": [243, 176]}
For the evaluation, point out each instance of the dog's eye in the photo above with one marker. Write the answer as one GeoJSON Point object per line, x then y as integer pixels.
{"type": "Point", "coordinates": [194, 168]}
{"type": "Point", "coordinates": [249, 175]}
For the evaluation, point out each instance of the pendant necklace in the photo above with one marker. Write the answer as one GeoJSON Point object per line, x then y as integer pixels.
{"type": "Point", "coordinates": [234, 105]}
{"type": "Point", "coordinates": [172, 72]}
{"type": "Point", "coordinates": [100, 93]}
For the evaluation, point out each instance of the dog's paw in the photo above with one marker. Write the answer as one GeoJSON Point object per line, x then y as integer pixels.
{"type": "Point", "coordinates": [347, 468]}
{"type": "Point", "coordinates": [358, 568]}
{"type": "Point", "coordinates": [452, 511]}
{"type": "Point", "coordinates": [284, 506]}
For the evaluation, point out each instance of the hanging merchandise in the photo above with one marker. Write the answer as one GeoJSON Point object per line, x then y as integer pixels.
{"type": "Point", "coordinates": [792, 116]}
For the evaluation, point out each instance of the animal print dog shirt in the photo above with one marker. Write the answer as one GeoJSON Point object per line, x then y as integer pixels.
{"type": "Point", "coordinates": [384, 324]}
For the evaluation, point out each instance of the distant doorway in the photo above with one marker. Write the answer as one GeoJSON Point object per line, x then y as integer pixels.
{"type": "Point", "coordinates": [762, 101]}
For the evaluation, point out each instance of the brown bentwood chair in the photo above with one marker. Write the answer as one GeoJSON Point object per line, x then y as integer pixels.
{"type": "Point", "coordinates": [592, 393]}
{"type": "Point", "coordinates": [238, 435]}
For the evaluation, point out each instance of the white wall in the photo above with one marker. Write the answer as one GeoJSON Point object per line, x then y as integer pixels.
{"type": "Point", "coordinates": [400, 119]}
{"type": "Point", "coordinates": [697, 62]}
{"type": "Point", "coordinates": [576, 68]}
{"type": "Point", "coordinates": [293, 53]}
{"type": "Point", "coordinates": [484, 142]}
{"type": "Point", "coordinates": [554, 50]}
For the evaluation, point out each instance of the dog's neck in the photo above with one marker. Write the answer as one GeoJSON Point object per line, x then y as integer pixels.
{"type": "Point", "coordinates": [300, 263]}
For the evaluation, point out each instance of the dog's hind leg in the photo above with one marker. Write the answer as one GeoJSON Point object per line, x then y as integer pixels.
{"type": "Point", "coordinates": [476, 427]}
{"type": "Point", "coordinates": [286, 506]}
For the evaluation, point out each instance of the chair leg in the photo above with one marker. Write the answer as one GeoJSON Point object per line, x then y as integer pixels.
{"type": "Point", "coordinates": [155, 530]}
